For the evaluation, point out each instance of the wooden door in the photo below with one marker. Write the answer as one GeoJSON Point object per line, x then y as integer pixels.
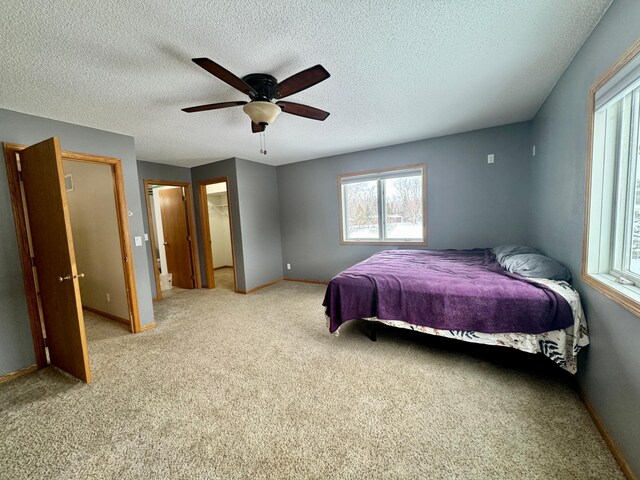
{"type": "Point", "coordinates": [176, 236]}
{"type": "Point", "coordinates": [54, 257]}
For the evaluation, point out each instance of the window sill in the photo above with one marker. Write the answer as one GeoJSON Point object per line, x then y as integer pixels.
{"type": "Point", "coordinates": [626, 295]}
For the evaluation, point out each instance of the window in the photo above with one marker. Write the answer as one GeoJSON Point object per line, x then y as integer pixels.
{"type": "Point", "coordinates": [385, 206]}
{"type": "Point", "coordinates": [612, 237]}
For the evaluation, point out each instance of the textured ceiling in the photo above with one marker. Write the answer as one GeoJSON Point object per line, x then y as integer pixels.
{"type": "Point", "coordinates": [400, 70]}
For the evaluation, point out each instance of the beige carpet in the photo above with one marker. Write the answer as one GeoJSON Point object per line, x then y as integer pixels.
{"type": "Point", "coordinates": [224, 278]}
{"type": "Point", "coordinates": [252, 386]}
{"type": "Point", "coordinates": [171, 292]}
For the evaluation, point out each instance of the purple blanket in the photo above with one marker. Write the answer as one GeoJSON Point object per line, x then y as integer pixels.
{"type": "Point", "coordinates": [444, 289]}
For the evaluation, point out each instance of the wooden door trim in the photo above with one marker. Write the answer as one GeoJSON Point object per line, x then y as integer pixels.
{"type": "Point", "coordinates": [125, 242]}
{"type": "Point", "coordinates": [152, 239]}
{"type": "Point", "coordinates": [193, 250]}
{"type": "Point", "coordinates": [206, 231]}
{"type": "Point", "coordinates": [23, 251]}
{"type": "Point", "coordinates": [206, 236]}
{"type": "Point", "coordinates": [10, 151]}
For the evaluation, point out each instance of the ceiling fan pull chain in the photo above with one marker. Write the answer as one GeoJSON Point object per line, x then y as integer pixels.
{"type": "Point", "coordinates": [263, 143]}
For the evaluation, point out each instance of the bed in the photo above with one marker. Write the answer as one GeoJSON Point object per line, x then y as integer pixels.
{"type": "Point", "coordinates": [461, 294]}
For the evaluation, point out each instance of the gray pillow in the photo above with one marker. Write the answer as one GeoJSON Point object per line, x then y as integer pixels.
{"type": "Point", "coordinates": [503, 252]}
{"type": "Point", "coordinates": [537, 266]}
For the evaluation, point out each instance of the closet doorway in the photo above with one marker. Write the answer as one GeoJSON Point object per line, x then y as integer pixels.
{"type": "Point", "coordinates": [217, 233]}
{"type": "Point", "coordinates": [171, 228]}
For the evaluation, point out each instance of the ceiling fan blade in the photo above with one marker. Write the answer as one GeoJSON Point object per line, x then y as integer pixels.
{"type": "Point", "coordinates": [301, 81]}
{"type": "Point", "coordinates": [303, 110]}
{"type": "Point", "coordinates": [213, 106]}
{"type": "Point", "coordinates": [255, 128]}
{"type": "Point", "coordinates": [225, 75]}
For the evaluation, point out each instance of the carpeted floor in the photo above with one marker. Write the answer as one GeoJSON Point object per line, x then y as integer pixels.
{"type": "Point", "coordinates": [224, 278]}
{"type": "Point", "coordinates": [171, 292]}
{"type": "Point", "coordinates": [235, 386]}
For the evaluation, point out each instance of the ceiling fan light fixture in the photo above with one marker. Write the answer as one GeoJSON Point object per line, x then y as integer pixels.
{"type": "Point", "coordinates": [262, 112]}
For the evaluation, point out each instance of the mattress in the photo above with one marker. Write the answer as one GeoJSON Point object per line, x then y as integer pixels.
{"type": "Point", "coordinates": [462, 294]}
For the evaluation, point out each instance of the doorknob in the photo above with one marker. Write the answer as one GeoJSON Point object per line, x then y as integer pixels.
{"type": "Point", "coordinates": [69, 277]}
{"type": "Point", "coordinates": [166, 244]}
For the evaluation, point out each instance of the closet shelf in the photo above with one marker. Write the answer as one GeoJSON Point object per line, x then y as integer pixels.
{"type": "Point", "coordinates": [219, 209]}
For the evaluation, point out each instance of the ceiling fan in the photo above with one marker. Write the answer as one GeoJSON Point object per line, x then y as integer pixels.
{"type": "Point", "coordinates": [262, 89]}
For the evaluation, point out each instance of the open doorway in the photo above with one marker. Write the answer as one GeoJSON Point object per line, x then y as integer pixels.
{"type": "Point", "coordinates": [96, 239]}
{"type": "Point", "coordinates": [171, 227]}
{"type": "Point", "coordinates": [48, 187]}
{"type": "Point", "coordinates": [217, 233]}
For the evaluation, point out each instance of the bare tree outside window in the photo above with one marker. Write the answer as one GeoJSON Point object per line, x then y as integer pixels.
{"type": "Point", "coordinates": [362, 209]}
{"type": "Point", "coordinates": [403, 207]}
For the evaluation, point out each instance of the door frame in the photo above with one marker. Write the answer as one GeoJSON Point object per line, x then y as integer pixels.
{"type": "Point", "coordinates": [206, 231]}
{"type": "Point", "coordinates": [193, 251]}
{"type": "Point", "coordinates": [11, 152]}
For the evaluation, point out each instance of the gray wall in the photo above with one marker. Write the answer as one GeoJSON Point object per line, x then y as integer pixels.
{"type": "Point", "coordinates": [260, 220]}
{"type": "Point", "coordinates": [157, 171]}
{"type": "Point", "coordinates": [610, 370]}
{"type": "Point", "coordinates": [224, 168]}
{"type": "Point", "coordinates": [16, 346]}
{"type": "Point", "coordinates": [256, 223]}
{"type": "Point", "coordinates": [469, 202]}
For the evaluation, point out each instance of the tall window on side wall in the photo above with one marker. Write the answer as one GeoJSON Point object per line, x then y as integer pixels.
{"type": "Point", "coordinates": [384, 206]}
{"type": "Point", "coordinates": [612, 241]}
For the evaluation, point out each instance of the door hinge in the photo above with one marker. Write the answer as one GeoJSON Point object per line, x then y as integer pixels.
{"type": "Point", "coordinates": [33, 261]}
{"type": "Point", "coordinates": [188, 238]}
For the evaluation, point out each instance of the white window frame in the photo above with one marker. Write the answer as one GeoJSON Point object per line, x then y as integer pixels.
{"type": "Point", "coordinates": [613, 156]}
{"type": "Point", "coordinates": [379, 176]}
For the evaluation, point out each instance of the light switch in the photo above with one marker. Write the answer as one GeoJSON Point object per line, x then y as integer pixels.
{"type": "Point", "coordinates": [490, 158]}
{"type": "Point", "coordinates": [138, 241]}
{"type": "Point", "coordinates": [146, 237]}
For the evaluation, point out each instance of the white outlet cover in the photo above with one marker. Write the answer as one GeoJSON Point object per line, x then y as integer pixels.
{"type": "Point", "coordinates": [138, 241]}
{"type": "Point", "coordinates": [490, 158]}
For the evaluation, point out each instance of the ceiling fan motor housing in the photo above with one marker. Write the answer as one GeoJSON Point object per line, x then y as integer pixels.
{"type": "Point", "coordinates": [264, 84]}
{"type": "Point", "coordinates": [260, 109]}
